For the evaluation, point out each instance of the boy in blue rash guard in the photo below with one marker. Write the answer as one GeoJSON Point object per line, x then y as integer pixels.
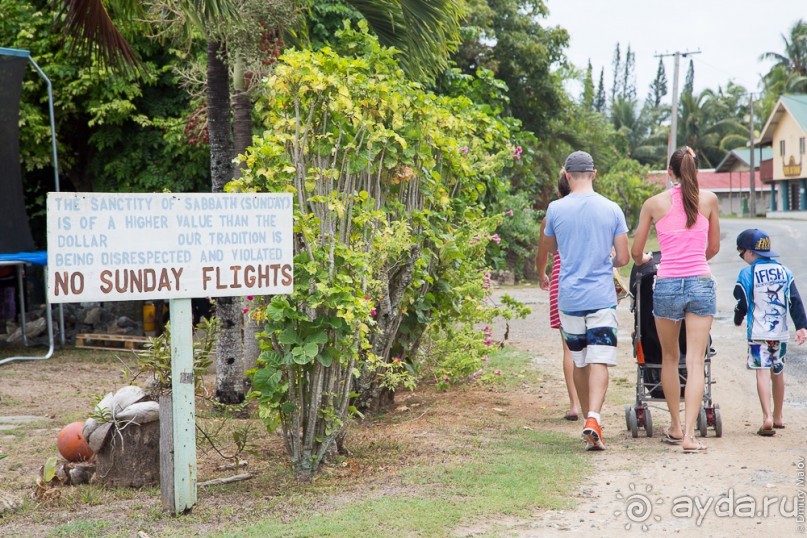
{"type": "Point", "coordinates": [766, 293]}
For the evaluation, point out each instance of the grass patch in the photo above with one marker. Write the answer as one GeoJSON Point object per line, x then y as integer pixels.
{"type": "Point", "coordinates": [80, 528]}
{"type": "Point", "coordinates": [514, 473]}
{"type": "Point", "coordinates": [516, 367]}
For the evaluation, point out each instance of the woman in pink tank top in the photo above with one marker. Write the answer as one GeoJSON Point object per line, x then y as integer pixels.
{"type": "Point", "coordinates": [688, 230]}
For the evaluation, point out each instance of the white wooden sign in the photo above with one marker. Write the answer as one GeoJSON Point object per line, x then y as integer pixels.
{"type": "Point", "coordinates": [118, 247]}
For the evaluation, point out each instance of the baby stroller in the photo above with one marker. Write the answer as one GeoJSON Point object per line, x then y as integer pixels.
{"type": "Point", "coordinates": [647, 351]}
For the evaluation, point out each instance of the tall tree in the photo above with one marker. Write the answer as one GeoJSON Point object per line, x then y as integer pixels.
{"type": "Point", "coordinates": [599, 100]}
{"type": "Point", "coordinates": [616, 65]}
{"type": "Point", "coordinates": [425, 30]}
{"type": "Point", "coordinates": [689, 81]}
{"type": "Point", "coordinates": [794, 56]}
{"type": "Point", "coordinates": [658, 88]}
{"type": "Point", "coordinates": [588, 88]}
{"type": "Point", "coordinates": [507, 37]}
{"type": "Point", "coordinates": [789, 72]}
{"type": "Point", "coordinates": [629, 76]}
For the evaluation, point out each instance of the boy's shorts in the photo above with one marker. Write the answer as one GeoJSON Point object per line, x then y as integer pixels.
{"type": "Point", "coordinates": [674, 298]}
{"type": "Point", "coordinates": [590, 336]}
{"type": "Point", "coordinates": [764, 354]}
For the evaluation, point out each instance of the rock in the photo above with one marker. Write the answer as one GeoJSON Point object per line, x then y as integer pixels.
{"type": "Point", "coordinates": [126, 323]}
{"type": "Point", "coordinates": [32, 330]}
{"type": "Point", "coordinates": [93, 316]}
{"type": "Point", "coordinates": [140, 413]}
{"type": "Point", "coordinates": [81, 473]}
{"type": "Point", "coordinates": [503, 278]}
{"type": "Point", "coordinates": [98, 437]}
{"type": "Point", "coordinates": [9, 502]}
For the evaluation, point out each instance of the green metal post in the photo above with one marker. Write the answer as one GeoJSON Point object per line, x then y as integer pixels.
{"type": "Point", "coordinates": [184, 424]}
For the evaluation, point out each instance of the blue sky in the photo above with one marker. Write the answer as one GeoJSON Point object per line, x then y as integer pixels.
{"type": "Point", "coordinates": [731, 35]}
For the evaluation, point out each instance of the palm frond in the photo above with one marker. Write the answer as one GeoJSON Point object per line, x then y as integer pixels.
{"type": "Point", "coordinates": [425, 31]}
{"type": "Point", "coordinates": [92, 29]}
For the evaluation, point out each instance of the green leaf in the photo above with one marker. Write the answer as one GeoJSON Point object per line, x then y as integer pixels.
{"type": "Point", "coordinates": [299, 356]}
{"type": "Point", "coordinates": [311, 349]}
{"type": "Point", "coordinates": [317, 338]}
{"type": "Point", "coordinates": [276, 312]}
{"type": "Point", "coordinates": [49, 471]}
{"type": "Point", "coordinates": [266, 380]}
{"type": "Point", "coordinates": [289, 336]}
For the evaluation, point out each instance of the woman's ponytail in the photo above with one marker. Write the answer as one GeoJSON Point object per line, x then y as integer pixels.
{"type": "Point", "coordinates": [684, 166]}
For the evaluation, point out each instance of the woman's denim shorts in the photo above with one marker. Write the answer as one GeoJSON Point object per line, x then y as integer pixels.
{"type": "Point", "coordinates": [673, 298]}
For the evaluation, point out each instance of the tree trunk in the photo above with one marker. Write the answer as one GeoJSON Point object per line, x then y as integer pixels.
{"type": "Point", "coordinates": [372, 396]}
{"type": "Point", "coordinates": [242, 139]}
{"type": "Point", "coordinates": [229, 351]}
{"type": "Point", "coordinates": [218, 117]}
{"type": "Point", "coordinates": [130, 458]}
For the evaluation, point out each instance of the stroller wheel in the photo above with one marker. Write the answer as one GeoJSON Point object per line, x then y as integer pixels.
{"type": "Point", "coordinates": [718, 422]}
{"type": "Point", "coordinates": [634, 423]}
{"type": "Point", "coordinates": [648, 422]}
{"type": "Point", "coordinates": [627, 416]}
{"type": "Point", "coordinates": [702, 421]}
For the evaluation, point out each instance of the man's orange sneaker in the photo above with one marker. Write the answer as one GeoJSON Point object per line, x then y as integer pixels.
{"type": "Point", "coordinates": [592, 435]}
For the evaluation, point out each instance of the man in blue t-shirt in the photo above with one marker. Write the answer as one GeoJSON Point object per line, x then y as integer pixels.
{"type": "Point", "coordinates": [590, 233]}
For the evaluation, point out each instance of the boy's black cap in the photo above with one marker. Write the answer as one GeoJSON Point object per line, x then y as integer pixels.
{"type": "Point", "coordinates": [757, 242]}
{"type": "Point", "coordinates": [579, 161]}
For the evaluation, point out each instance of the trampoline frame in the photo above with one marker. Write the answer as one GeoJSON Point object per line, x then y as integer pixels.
{"type": "Point", "coordinates": [19, 264]}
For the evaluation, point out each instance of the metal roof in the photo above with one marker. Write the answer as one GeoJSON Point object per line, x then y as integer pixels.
{"type": "Point", "coordinates": [743, 155]}
{"type": "Point", "coordinates": [795, 105]}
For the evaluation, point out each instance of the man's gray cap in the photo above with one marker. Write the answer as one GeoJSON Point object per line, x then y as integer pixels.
{"type": "Point", "coordinates": [579, 161]}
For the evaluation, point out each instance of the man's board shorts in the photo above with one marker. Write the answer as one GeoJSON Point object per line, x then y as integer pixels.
{"type": "Point", "coordinates": [590, 336]}
{"type": "Point", "coordinates": [764, 354]}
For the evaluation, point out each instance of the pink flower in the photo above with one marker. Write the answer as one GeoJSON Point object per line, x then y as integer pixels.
{"type": "Point", "coordinates": [366, 297]}
{"type": "Point", "coordinates": [373, 312]}
{"type": "Point", "coordinates": [497, 372]}
{"type": "Point", "coordinates": [396, 359]}
{"type": "Point", "coordinates": [447, 380]}
{"type": "Point", "coordinates": [250, 297]}
{"type": "Point", "coordinates": [509, 212]}
{"type": "Point", "coordinates": [496, 239]}
{"type": "Point", "coordinates": [484, 359]}
{"type": "Point", "coordinates": [245, 310]}
{"type": "Point", "coordinates": [464, 149]}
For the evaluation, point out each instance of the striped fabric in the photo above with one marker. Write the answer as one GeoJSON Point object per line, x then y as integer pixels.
{"type": "Point", "coordinates": [554, 317]}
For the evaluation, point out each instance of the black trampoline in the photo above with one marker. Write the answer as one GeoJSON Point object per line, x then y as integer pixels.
{"type": "Point", "coordinates": [17, 248]}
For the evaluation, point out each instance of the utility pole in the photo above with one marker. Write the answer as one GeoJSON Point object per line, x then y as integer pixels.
{"type": "Point", "coordinates": [672, 141]}
{"type": "Point", "coordinates": [752, 202]}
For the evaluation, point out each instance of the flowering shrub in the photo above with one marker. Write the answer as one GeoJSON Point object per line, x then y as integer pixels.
{"type": "Point", "coordinates": [388, 182]}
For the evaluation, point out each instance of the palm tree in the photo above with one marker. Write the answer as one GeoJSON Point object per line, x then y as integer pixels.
{"type": "Point", "coordinates": [425, 30]}
{"type": "Point", "coordinates": [789, 72]}
{"type": "Point", "coordinates": [707, 125]}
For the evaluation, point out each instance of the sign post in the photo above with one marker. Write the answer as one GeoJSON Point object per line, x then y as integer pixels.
{"type": "Point", "coordinates": [124, 247]}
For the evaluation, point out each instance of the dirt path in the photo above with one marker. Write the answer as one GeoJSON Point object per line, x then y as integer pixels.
{"type": "Point", "coordinates": [643, 485]}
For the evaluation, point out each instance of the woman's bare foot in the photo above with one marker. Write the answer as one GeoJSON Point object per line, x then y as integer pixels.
{"type": "Point", "coordinates": [690, 445]}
